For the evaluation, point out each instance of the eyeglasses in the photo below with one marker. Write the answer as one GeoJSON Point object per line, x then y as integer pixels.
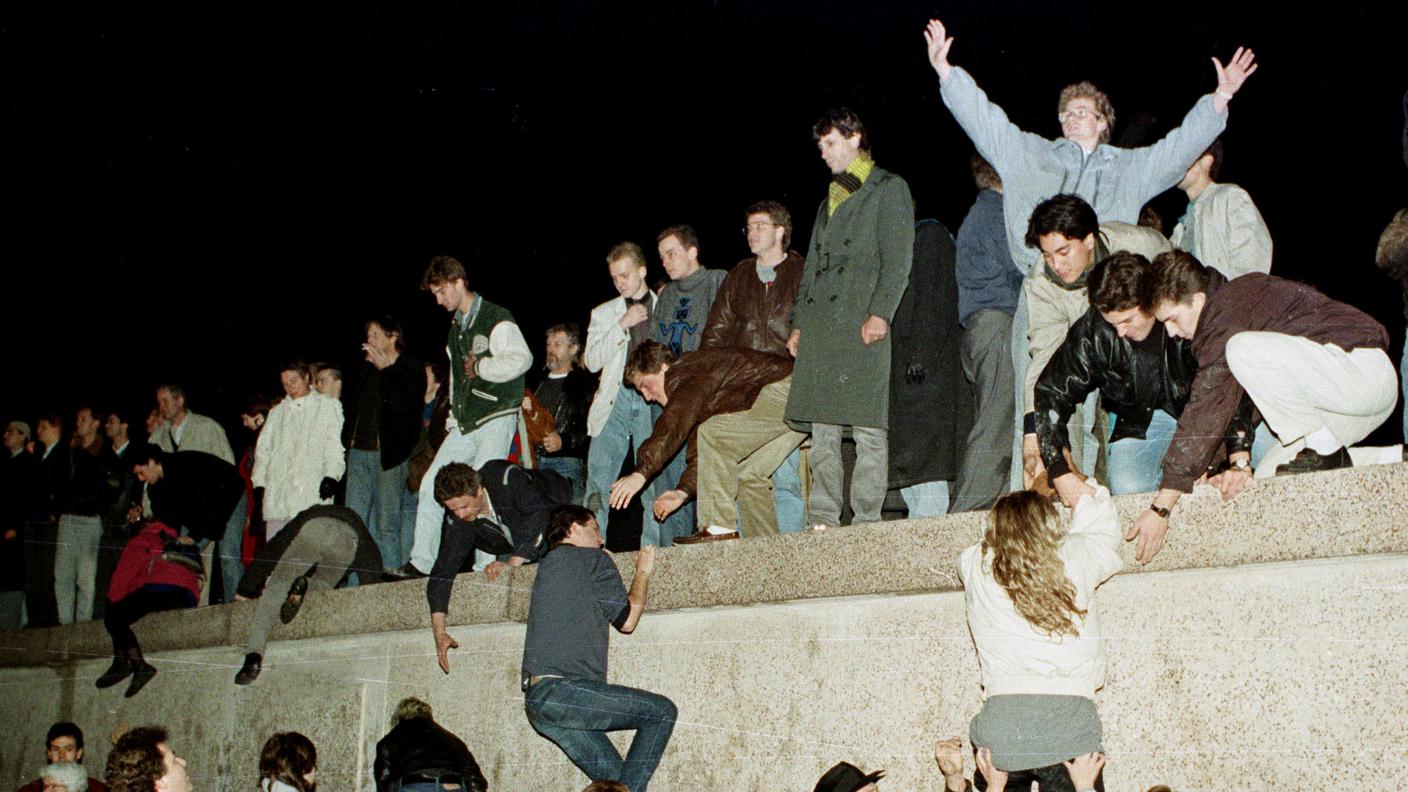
{"type": "Point", "coordinates": [1080, 113]}
{"type": "Point", "coordinates": [757, 226]}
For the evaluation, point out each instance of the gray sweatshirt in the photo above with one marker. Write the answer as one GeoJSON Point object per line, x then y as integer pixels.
{"type": "Point", "coordinates": [682, 309]}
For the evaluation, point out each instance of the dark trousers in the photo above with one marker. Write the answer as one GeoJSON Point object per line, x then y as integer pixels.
{"type": "Point", "coordinates": [1052, 778]}
{"type": "Point", "coordinates": [121, 615]}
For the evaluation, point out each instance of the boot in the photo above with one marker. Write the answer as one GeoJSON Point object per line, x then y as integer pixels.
{"type": "Point", "coordinates": [252, 664]}
{"type": "Point", "coordinates": [118, 671]}
{"type": "Point", "coordinates": [142, 672]}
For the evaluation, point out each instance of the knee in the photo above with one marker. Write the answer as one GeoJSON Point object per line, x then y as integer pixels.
{"type": "Point", "coordinates": [666, 711]}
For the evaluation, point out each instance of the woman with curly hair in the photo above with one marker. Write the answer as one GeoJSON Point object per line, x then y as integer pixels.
{"type": "Point", "coordinates": [1029, 588]}
{"type": "Point", "coordinates": [288, 763]}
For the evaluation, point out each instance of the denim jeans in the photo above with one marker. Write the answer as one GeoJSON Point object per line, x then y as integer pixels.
{"type": "Point", "coordinates": [574, 469]}
{"type": "Point", "coordinates": [787, 493]}
{"type": "Point", "coordinates": [576, 714]}
{"type": "Point", "coordinates": [628, 426]}
{"type": "Point", "coordinates": [1137, 465]}
{"type": "Point", "coordinates": [375, 495]}
{"type": "Point", "coordinates": [929, 499]}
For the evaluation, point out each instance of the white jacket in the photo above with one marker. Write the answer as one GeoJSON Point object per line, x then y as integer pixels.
{"type": "Point", "coordinates": [300, 445]}
{"type": "Point", "coordinates": [1014, 657]}
{"type": "Point", "coordinates": [1227, 232]}
{"type": "Point", "coordinates": [607, 344]}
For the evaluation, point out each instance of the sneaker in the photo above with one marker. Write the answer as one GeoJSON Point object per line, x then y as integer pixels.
{"type": "Point", "coordinates": [118, 671]}
{"type": "Point", "coordinates": [141, 675]}
{"type": "Point", "coordinates": [1308, 461]}
{"type": "Point", "coordinates": [294, 601]}
{"type": "Point", "coordinates": [253, 663]}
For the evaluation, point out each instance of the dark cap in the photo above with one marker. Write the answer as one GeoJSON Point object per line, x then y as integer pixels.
{"type": "Point", "coordinates": [846, 777]}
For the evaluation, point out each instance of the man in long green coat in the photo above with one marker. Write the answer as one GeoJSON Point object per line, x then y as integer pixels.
{"type": "Point", "coordinates": [857, 268]}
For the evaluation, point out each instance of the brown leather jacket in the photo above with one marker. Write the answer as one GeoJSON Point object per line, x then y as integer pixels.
{"type": "Point", "coordinates": [699, 386]}
{"type": "Point", "coordinates": [750, 314]}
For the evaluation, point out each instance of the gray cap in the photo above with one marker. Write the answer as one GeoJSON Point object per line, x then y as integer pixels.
{"type": "Point", "coordinates": [22, 428]}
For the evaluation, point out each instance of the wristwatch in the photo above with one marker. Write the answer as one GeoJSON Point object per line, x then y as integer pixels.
{"type": "Point", "coordinates": [1159, 510]}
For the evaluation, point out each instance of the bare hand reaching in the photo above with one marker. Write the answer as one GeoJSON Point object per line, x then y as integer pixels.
{"type": "Point", "coordinates": [1231, 77]}
{"type": "Point", "coordinates": [939, 45]}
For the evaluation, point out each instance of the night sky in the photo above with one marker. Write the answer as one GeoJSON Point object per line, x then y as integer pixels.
{"type": "Point", "coordinates": [201, 191]}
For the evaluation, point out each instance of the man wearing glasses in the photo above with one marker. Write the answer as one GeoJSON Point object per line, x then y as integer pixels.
{"type": "Point", "coordinates": [753, 310]}
{"type": "Point", "coordinates": [1116, 182]}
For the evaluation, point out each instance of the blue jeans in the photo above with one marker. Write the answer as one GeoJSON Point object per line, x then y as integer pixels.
{"type": "Point", "coordinates": [929, 499]}
{"type": "Point", "coordinates": [628, 426]}
{"type": "Point", "coordinates": [574, 469]}
{"type": "Point", "coordinates": [576, 714]}
{"type": "Point", "coordinates": [375, 495]}
{"type": "Point", "coordinates": [1137, 465]}
{"type": "Point", "coordinates": [787, 494]}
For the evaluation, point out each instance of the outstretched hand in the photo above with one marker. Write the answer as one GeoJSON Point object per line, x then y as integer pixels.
{"type": "Point", "coordinates": [443, 644]}
{"type": "Point", "coordinates": [1231, 76]}
{"type": "Point", "coordinates": [939, 44]}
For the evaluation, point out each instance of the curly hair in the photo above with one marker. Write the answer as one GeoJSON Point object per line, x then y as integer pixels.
{"type": "Point", "coordinates": [289, 757]}
{"type": "Point", "coordinates": [1087, 90]}
{"type": "Point", "coordinates": [136, 762]}
{"type": "Point", "coordinates": [1023, 536]}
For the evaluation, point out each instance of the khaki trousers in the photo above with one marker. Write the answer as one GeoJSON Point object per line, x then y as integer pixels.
{"type": "Point", "coordinates": [737, 455]}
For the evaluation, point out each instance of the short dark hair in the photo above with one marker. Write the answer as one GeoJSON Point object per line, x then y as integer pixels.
{"type": "Point", "coordinates": [440, 370]}
{"type": "Point", "coordinates": [1178, 276]}
{"type": "Point", "coordinates": [844, 121]}
{"type": "Point", "coordinates": [288, 757]}
{"type": "Point", "coordinates": [647, 359]}
{"type": "Point", "coordinates": [389, 325]}
{"type": "Point", "coordinates": [149, 453]}
{"type": "Point", "coordinates": [256, 404]}
{"type": "Point", "coordinates": [777, 213]}
{"type": "Point", "coordinates": [606, 786]}
{"type": "Point", "coordinates": [455, 480]}
{"type": "Point", "coordinates": [1215, 151]}
{"type": "Point", "coordinates": [64, 729]}
{"type": "Point", "coordinates": [51, 418]}
{"type": "Point", "coordinates": [442, 269]}
{"type": "Point", "coordinates": [1067, 215]}
{"type": "Point", "coordinates": [984, 174]}
{"type": "Point", "coordinates": [299, 366]}
{"type": "Point", "coordinates": [562, 519]}
{"type": "Point", "coordinates": [136, 763]}
{"type": "Point", "coordinates": [1121, 281]}
{"type": "Point", "coordinates": [685, 234]}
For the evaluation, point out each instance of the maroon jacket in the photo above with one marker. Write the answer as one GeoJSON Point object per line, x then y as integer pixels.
{"type": "Point", "coordinates": [1252, 302]}
{"type": "Point", "coordinates": [699, 386]}
{"type": "Point", "coordinates": [750, 314]}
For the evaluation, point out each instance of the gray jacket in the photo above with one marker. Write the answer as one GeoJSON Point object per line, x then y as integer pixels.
{"type": "Point", "coordinates": [1116, 182]}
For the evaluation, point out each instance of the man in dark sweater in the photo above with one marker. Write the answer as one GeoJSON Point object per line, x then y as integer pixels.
{"type": "Point", "coordinates": [727, 404]}
{"type": "Point", "coordinates": [381, 426]}
{"type": "Point", "coordinates": [88, 493]}
{"type": "Point", "coordinates": [201, 495]}
{"type": "Point", "coordinates": [577, 598]}
{"type": "Point", "coordinates": [1316, 369]}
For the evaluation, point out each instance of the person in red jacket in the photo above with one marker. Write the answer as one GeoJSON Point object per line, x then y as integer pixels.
{"type": "Point", "coordinates": [157, 572]}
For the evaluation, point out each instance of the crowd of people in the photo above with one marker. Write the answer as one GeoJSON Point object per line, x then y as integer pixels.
{"type": "Point", "coordinates": [1057, 349]}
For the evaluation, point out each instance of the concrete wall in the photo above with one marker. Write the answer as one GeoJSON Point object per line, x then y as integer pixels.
{"type": "Point", "coordinates": [1263, 648]}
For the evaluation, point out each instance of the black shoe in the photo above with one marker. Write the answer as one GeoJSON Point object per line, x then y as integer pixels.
{"type": "Point", "coordinates": [141, 675]}
{"type": "Point", "coordinates": [294, 600]}
{"type": "Point", "coordinates": [409, 571]}
{"type": "Point", "coordinates": [253, 662]}
{"type": "Point", "coordinates": [1308, 461]}
{"type": "Point", "coordinates": [118, 671]}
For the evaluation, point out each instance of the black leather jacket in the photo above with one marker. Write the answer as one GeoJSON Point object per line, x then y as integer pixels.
{"type": "Point", "coordinates": [1134, 379]}
{"type": "Point", "coordinates": [570, 414]}
{"type": "Point", "coordinates": [420, 747]}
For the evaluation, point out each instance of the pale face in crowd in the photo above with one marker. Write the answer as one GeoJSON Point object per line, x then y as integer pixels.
{"type": "Point", "coordinates": [153, 420]}
{"type": "Point", "coordinates": [679, 260]}
{"type": "Point", "coordinates": [652, 386]}
{"type": "Point", "coordinates": [14, 439]}
{"type": "Point", "coordinates": [468, 507]}
{"type": "Point", "coordinates": [378, 339]}
{"type": "Point", "coordinates": [586, 534]}
{"type": "Point", "coordinates": [450, 295]}
{"type": "Point", "coordinates": [51, 785]}
{"type": "Point", "coordinates": [838, 151]}
{"type": "Point", "coordinates": [170, 406]}
{"type": "Point", "coordinates": [764, 236]}
{"type": "Point", "coordinates": [64, 749]}
{"type": "Point", "coordinates": [114, 428]}
{"type": "Point", "coordinates": [1068, 258]}
{"type": "Point", "coordinates": [175, 778]}
{"type": "Point", "coordinates": [295, 384]}
{"type": "Point", "coordinates": [47, 433]}
{"type": "Point", "coordinates": [147, 472]}
{"type": "Point", "coordinates": [84, 424]}
{"type": "Point", "coordinates": [1132, 323]}
{"type": "Point", "coordinates": [1181, 319]}
{"type": "Point", "coordinates": [1082, 123]}
{"type": "Point", "coordinates": [560, 352]}
{"type": "Point", "coordinates": [627, 276]}
{"type": "Point", "coordinates": [328, 384]}
{"type": "Point", "coordinates": [252, 422]}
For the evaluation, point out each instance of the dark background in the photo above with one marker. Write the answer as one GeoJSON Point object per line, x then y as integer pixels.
{"type": "Point", "coordinates": [200, 191]}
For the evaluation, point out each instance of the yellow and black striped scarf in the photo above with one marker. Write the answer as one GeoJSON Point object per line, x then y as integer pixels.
{"type": "Point", "coordinates": [844, 185]}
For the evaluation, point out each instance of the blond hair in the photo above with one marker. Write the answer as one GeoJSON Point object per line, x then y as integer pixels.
{"type": "Point", "coordinates": [1023, 536]}
{"type": "Point", "coordinates": [1087, 90]}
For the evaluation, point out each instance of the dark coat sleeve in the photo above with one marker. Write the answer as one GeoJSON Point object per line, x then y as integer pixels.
{"type": "Point", "coordinates": [402, 402]}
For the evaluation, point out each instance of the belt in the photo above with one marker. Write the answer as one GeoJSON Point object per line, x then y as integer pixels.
{"type": "Point", "coordinates": [529, 682]}
{"type": "Point", "coordinates": [452, 778]}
